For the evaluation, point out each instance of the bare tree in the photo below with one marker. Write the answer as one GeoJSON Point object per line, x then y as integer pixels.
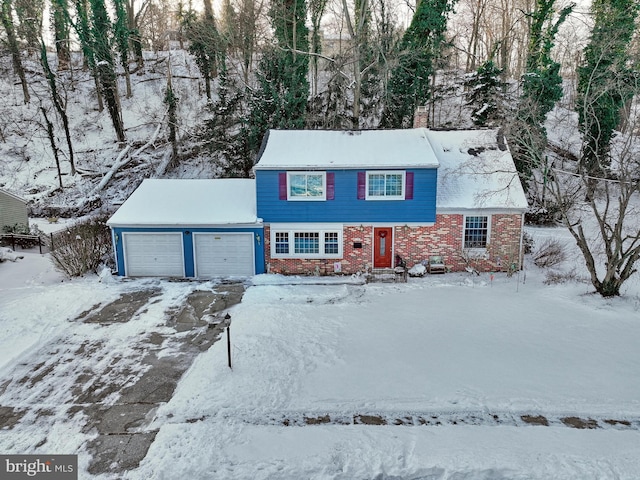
{"type": "Point", "coordinates": [242, 23]}
{"type": "Point", "coordinates": [612, 248]}
{"type": "Point", "coordinates": [133, 20]}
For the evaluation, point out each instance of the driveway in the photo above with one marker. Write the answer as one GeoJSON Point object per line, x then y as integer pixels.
{"type": "Point", "coordinates": [105, 397]}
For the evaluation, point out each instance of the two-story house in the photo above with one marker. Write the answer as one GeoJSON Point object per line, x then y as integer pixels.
{"type": "Point", "coordinates": [326, 202]}
{"type": "Point", "coordinates": [348, 202]}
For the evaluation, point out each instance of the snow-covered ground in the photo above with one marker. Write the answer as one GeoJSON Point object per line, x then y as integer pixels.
{"type": "Point", "coordinates": [424, 380]}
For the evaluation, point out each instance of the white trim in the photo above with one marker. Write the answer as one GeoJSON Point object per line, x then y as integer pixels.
{"type": "Point", "coordinates": [292, 228]}
{"type": "Point", "coordinates": [114, 243]}
{"type": "Point", "coordinates": [306, 227]}
{"type": "Point", "coordinates": [472, 211]}
{"type": "Point", "coordinates": [293, 198]}
{"type": "Point", "coordinates": [402, 173]}
{"type": "Point", "coordinates": [391, 224]}
{"type": "Point", "coordinates": [185, 226]}
{"type": "Point", "coordinates": [373, 245]}
{"type": "Point", "coordinates": [13, 195]}
{"type": "Point", "coordinates": [477, 251]}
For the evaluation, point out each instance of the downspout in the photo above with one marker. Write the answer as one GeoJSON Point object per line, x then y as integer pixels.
{"type": "Point", "coordinates": [521, 241]}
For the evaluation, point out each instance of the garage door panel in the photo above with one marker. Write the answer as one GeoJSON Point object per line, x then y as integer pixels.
{"type": "Point", "coordinates": [154, 254]}
{"type": "Point", "coordinates": [223, 254]}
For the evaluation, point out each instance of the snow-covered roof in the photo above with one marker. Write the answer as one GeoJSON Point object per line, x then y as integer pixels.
{"type": "Point", "coordinates": [12, 195]}
{"type": "Point", "coordinates": [193, 202]}
{"type": "Point", "coordinates": [320, 149]}
{"type": "Point", "coordinates": [476, 171]}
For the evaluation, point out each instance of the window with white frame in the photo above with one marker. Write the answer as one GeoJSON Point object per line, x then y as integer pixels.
{"type": "Point", "coordinates": [303, 242]}
{"type": "Point", "coordinates": [385, 185]}
{"type": "Point", "coordinates": [476, 231]}
{"type": "Point", "coordinates": [281, 243]}
{"type": "Point", "coordinates": [306, 186]}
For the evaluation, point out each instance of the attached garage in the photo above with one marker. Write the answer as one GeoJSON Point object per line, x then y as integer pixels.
{"type": "Point", "coordinates": [189, 228]}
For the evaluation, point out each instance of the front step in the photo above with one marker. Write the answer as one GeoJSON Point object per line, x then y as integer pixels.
{"type": "Point", "coordinates": [389, 275]}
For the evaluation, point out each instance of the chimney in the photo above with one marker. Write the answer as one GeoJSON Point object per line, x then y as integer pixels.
{"type": "Point", "coordinates": [421, 117]}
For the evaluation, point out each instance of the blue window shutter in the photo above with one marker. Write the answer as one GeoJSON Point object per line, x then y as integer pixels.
{"type": "Point", "coordinates": [282, 185]}
{"type": "Point", "coordinates": [362, 185]}
{"type": "Point", "coordinates": [331, 190]}
{"type": "Point", "coordinates": [408, 186]}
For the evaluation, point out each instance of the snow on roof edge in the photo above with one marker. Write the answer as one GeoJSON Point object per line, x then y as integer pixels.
{"type": "Point", "coordinates": [13, 195]}
{"type": "Point", "coordinates": [193, 202]}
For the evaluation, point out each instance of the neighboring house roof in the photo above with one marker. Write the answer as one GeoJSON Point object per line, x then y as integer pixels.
{"type": "Point", "coordinates": [476, 171]}
{"type": "Point", "coordinates": [195, 202]}
{"type": "Point", "coordinates": [12, 195]}
{"type": "Point", "coordinates": [321, 149]}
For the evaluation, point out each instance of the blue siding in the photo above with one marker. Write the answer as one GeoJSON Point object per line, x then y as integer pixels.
{"type": "Point", "coordinates": [346, 207]}
{"type": "Point", "coordinates": [187, 242]}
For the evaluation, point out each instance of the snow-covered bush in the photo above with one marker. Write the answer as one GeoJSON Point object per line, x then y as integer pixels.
{"type": "Point", "coordinates": [527, 243]}
{"type": "Point", "coordinates": [8, 254]}
{"type": "Point", "coordinates": [543, 216]}
{"type": "Point", "coordinates": [556, 278]}
{"type": "Point", "coordinates": [550, 253]}
{"type": "Point", "coordinates": [82, 248]}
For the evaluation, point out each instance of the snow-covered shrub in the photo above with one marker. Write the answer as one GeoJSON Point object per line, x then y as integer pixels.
{"type": "Point", "coordinates": [556, 278]}
{"type": "Point", "coordinates": [82, 248]}
{"type": "Point", "coordinates": [527, 243]}
{"type": "Point", "coordinates": [550, 253]}
{"type": "Point", "coordinates": [538, 215]}
{"type": "Point", "coordinates": [8, 254]}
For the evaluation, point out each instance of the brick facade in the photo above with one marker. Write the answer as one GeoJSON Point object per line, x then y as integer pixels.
{"type": "Point", "coordinates": [414, 244]}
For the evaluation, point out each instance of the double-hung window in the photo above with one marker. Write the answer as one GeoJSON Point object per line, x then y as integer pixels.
{"type": "Point", "coordinates": [281, 243]}
{"type": "Point", "coordinates": [385, 185]}
{"type": "Point", "coordinates": [476, 232]}
{"type": "Point", "coordinates": [290, 241]}
{"type": "Point", "coordinates": [306, 186]}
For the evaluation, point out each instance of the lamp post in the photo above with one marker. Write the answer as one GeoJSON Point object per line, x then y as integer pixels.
{"type": "Point", "coordinates": [226, 322]}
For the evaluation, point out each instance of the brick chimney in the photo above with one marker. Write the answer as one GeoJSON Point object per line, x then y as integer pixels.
{"type": "Point", "coordinates": [421, 117]}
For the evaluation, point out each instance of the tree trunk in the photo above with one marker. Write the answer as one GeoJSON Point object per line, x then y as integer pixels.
{"type": "Point", "coordinates": [7, 22]}
{"type": "Point", "coordinates": [110, 91]}
{"type": "Point", "coordinates": [52, 141]}
{"type": "Point", "coordinates": [96, 82]}
{"type": "Point", "coordinates": [61, 33]}
{"type": "Point", "coordinates": [134, 32]}
{"type": "Point", "coordinates": [105, 66]}
{"type": "Point", "coordinates": [172, 102]}
{"type": "Point", "coordinates": [57, 102]}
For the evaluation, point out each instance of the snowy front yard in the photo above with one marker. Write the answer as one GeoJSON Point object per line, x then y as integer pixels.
{"type": "Point", "coordinates": [465, 352]}
{"type": "Point", "coordinates": [432, 379]}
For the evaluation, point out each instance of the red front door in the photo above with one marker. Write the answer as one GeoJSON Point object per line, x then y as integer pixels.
{"type": "Point", "coordinates": [382, 243]}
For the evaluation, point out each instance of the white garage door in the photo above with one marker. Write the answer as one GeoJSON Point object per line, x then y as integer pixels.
{"type": "Point", "coordinates": [222, 254]}
{"type": "Point", "coordinates": [153, 254]}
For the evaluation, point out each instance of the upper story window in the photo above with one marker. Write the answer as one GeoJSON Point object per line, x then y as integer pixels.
{"type": "Point", "coordinates": [385, 185]}
{"type": "Point", "coordinates": [306, 186]}
{"type": "Point", "coordinates": [476, 231]}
